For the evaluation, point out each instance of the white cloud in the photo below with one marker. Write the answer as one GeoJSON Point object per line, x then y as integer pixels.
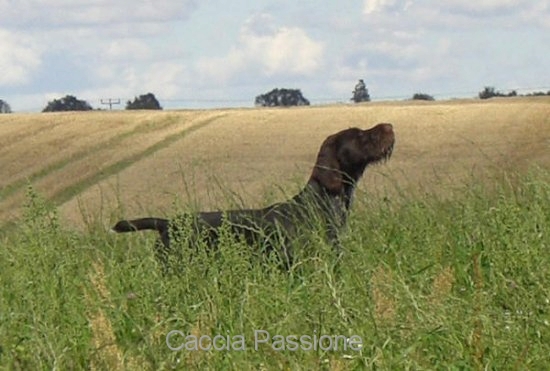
{"type": "Point", "coordinates": [538, 14]}
{"type": "Point", "coordinates": [69, 13]}
{"type": "Point", "coordinates": [164, 79]}
{"type": "Point", "coordinates": [261, 24]}
{"type": "Point", "coordinates": [124, 49]}
{"type": "Point", "coordinates": [267, 51]}
{"type": "Point", "coordinates": [290, 50]}
{"type": "Point", "coordinates": [99, 37]}
{"type": "Point", "coordinates": [375, 6]}
{"type": "Point", "coordinates": [485, 7]}
{"type": "Point", "coordinates": [453, 14]}
{"type": "Point", "coordinates": [453, 46]}
{"type": "Point", "coordinates": [19, 58]}
{"type": "Point", "coordinates": [411, 39]}
{"type": "Point", "coordinates": [394, 59]}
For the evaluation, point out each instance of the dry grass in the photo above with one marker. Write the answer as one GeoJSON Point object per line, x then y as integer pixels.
{"type": "Point", "coordinates": [252, 152]}
{"type": "Point", "coordinates": [105, 352]}
{"type": "Point", "coordinates": [203, 325]}
{"type": "Point", "coordinates": [442, 286]}
{"type": "Point", "coordinates": [384, 304]}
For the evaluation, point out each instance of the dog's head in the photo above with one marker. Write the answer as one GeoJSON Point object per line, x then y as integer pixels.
{"type": "Point", "coordinates": [344, 156]}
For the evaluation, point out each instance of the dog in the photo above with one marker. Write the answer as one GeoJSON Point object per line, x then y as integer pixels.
{"type": "Point", "coordinates": [325, 200]}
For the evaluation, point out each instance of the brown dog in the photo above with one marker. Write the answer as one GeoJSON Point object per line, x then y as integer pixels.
{"type": "Point", "coordinates": [325, 199]}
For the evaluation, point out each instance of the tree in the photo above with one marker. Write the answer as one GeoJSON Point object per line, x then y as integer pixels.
{"type": "Point", "coordinates": [67, 103]}
{"type": "Point", "coordinates": [487, 92]}
{"type": "Point", "coordinates": [4, 107]}
{"type": "Point", "coordinates": [422, 96]}
{"type": "Point", "coordinates": [360, 93]}
{"type": "Point", "coordinates": [281, 97]}
{"type": "Point", "coordinates": [145, 101]}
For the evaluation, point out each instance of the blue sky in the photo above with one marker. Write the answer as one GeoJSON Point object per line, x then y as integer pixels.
{"type": "Point", "coordinates": [213, 53]}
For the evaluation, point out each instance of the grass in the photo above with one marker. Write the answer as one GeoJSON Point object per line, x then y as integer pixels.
{"type": "Point", "coordinates": [457, 282]}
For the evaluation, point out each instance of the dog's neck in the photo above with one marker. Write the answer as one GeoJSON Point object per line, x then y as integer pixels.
{"type": "Point", "coordinates": [315, 187]}
{"type": "Point", "coordinates": [351, 178]}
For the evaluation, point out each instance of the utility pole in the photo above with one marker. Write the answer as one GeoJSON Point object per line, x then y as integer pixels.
{"type": "Point", "coordinates": [110, 102]}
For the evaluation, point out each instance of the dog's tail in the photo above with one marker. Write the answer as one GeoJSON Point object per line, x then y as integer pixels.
{"type": "Point", "coordinates": [155, 224]}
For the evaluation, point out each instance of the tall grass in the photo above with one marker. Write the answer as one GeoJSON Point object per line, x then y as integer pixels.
{"type": "Point", "coordinates": [427, 283]}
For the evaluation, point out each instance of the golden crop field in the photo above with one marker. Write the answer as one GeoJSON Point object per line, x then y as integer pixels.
{"type": "Point", "coordinates": [101, 165]}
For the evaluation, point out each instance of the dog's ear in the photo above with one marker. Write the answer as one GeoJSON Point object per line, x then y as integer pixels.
{"type": "Point", "coordinates": [327, 168]}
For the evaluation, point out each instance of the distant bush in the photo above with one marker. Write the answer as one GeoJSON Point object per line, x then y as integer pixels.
{"type": "Point", "coordinates": [490, 92]}
{"type": "Point", "coordinates": [4, 107]}
{"type": "Point", "coordinates": [360, 93]}
{"type": "Point", "coordinates": [422, 96]}
{"type": "Point", "coordinates": [67, 103]}
{"type": "Point", "coordinates": [146, 101]}
{"type": "Point", "coordinates": [538, 94]}
{"type": "Point", "coordinates": [281, 97]}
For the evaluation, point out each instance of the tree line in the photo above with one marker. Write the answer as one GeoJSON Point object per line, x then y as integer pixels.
{"type": "Point", "coordinates": [275, 98]}
{"type": "Point", "coordinates": [71, 103]}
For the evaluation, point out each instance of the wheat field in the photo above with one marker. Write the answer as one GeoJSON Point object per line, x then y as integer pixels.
{"type": "Point", "coordinates": [106, 163]}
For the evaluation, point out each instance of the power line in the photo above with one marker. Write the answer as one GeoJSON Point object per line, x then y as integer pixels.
{"type": "Point", "coordinates": [110, 102]}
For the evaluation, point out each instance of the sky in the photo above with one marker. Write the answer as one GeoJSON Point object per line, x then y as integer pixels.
{"type": "Point", "coordinates": [214, 53]}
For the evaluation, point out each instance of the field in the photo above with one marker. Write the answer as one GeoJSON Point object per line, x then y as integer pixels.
{"type": "Point", "coordinates": [446, 255]}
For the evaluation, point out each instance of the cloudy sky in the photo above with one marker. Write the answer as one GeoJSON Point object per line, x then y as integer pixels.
{"type": "Point", "coordinates": [214, 53]}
